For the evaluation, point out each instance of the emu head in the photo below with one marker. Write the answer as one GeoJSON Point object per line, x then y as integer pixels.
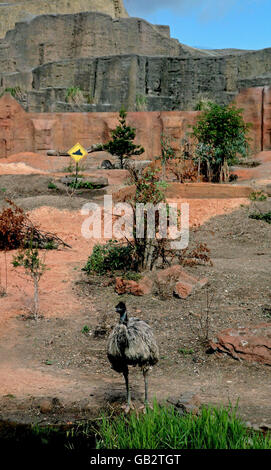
{"type": "Point", "coordinates": [121, 309]}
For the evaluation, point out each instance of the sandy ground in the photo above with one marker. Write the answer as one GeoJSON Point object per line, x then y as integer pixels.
{"type": "Point", "coordinates": [78, 372]}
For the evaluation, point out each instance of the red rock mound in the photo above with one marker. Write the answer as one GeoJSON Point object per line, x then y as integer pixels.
{"type": "Point", "coordinates": [252, 343]}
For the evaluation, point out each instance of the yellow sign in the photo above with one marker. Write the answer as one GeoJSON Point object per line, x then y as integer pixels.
{"type": "Point", "coordinates": [77, 152]}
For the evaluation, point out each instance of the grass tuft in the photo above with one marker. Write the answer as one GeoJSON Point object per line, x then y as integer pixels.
{"type": "Point", "coordinates": [164, 428]}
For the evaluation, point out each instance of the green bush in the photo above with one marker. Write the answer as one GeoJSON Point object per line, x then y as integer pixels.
{"type": "Point", "coordinates": [51, 185]}
{"type": "Point", "coordinates": [82, 185]}
{"type": "Point", "coordinates": [257, 196]}
{"type": "Point", "coordinates": [222, 138]}
{"type": "Point", "coordinates": [266, 217]}
{"type": "Point", "coordinates": [110, 257]}
{"type": "Point", "coordinates": [132, 276]}
{"type": "Point", "coordinates": [164, 428]}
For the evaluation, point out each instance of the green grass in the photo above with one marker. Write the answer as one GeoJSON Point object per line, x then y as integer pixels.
{"type": "Point", "coordinates": [85, 329]}
{"type": "Point", "coordinates": [185, 352]}
{"type": "Point", "coordinates": [265, 216]}
{"type": "Point", "coordinates": [82, 185]}
{"type": "Point", "coordinates": [52, 185]}
{"type": "Point", "coordinates": [132, 276]}
{"type": "Point", "coordinates": [164, 428]}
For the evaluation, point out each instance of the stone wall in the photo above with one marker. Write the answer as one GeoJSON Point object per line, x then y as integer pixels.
{"type": "Point", "coordinates": [38, 132]}
{"type": "Point", "coordinates": [117, 61]}
{"type": "Point", "coordinates": [14, 11]}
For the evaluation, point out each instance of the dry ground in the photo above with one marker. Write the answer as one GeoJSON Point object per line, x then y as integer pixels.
{"type": "Point", "coordinates": [53, 358]}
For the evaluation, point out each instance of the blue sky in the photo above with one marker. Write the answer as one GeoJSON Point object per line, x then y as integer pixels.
{"type": "Point", "coordinates": [241, 24]}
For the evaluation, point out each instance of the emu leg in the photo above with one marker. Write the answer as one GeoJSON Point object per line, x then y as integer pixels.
{"type": "Point", "coordinates": [128, 392]}
{"type": "Point", "coordinates": [146, 381]}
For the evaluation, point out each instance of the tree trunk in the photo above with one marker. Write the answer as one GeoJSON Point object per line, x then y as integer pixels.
{"type": "Point", "coordinates": [36, 297]}
{"type": "Point", "coordinates": [163, 171]}
{"type": "Point", "coordinates": [199, 169]}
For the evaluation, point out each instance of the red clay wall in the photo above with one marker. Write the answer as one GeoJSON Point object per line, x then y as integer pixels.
{"type": "Point", "coordinates": [256, 103]}
{"type": "Point", "coordinates": [21, 131]}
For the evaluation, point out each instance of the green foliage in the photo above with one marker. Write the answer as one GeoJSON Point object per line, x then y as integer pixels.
{"type": "Point", "coordinates": [141, 102]}
{"type": "Point", "coordinates": [257, 196]}
{"type": "Point", "coordinates": [85, 329]}
{"type": "Point", "coordinates": [132, 276]}
{"type": "Point", "coordinates": [82, 185]}
{"type": "Point", "coordinates": [28, 257]}
{"type": "Point", "coordinates": [30, 260]}
{"type": "Point", "coordinates": [51, 185]}
{"type": "Point", "coordinates": [167, 153]}
{"type": "Point", "coordinates": [185, 352]}
{"type": "Point", "coordinates": [50, 245]}
{"type": "Point", "coordinates": [121, 144]}
{"type": "Point", "coordinates": [110, 257]}
{"type": "Point", "coordinates": [149, 188]}
{"type": "Point", "coordinates": [164, 428]}
{"type": "Point", "coordinates": [48, 362]}
{"type": "Point", "coordinates": [202, 104]}
{"type": "Point", "coordinates": [72, 94]}
{"type": "Point", "coordinates": [265, 216]}
{"type": "Point", "coordinates": [222, 137]}
{"type": "Point", "coordinates": [16, 92]}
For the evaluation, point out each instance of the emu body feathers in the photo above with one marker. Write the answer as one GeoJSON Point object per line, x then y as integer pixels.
{"type": "Point", "coordinates": [132, 344]}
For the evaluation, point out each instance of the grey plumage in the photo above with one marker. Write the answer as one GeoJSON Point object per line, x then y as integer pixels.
{"type": "Point", "coordinates": [132, 343]}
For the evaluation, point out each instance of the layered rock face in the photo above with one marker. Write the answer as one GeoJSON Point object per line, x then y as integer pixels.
{"type": "Point", "coordinates": [113, 61]}
{"type": "Point", "coordinates": [13, 11]}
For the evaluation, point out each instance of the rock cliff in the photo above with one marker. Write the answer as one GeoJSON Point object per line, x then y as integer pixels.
{"type": "Point", "coordinates": [13, 11]}
{"type": "Point", "coordinates": [112, 59]}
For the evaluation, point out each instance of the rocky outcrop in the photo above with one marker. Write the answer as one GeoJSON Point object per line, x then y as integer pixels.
{"type": "Point", "coordinates": [13, 11]}
{"type": "Point", "coordinates": [115, 61]}
{"type": "Point", "coordinates": [251, 343]}
{"type": "Point", "coordinates": [164, 283]}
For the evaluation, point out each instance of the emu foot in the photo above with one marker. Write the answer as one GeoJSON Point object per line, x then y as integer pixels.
{"type": "Point", "coordinates": [127, 408]}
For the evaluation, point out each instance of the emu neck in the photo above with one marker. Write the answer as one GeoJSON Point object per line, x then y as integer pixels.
{"type": "Point", "coordinates": [124, 319]}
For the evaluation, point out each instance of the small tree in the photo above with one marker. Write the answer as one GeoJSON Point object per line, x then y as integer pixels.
{"type": "Point", "coordinates": [121, 144]}
{"type": "Point", "coordinates": [148, 190]}
{"type": "Point", "coordinates": [29, 258]}
{"type": "Point", "coordinates": [222, 137]}
{"type": "Point", "coordinates": [167, 153]}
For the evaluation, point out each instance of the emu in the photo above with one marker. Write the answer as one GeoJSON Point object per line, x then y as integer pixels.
{"type": "Point", "coordinates": [132, 343]}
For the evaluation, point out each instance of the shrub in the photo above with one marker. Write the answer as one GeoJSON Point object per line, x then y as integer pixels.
{"type": "Point", "coordinates": [51, 185]}
{"type": "Point", "coordinates": [17, 230]}
{"type": "Point", "coordinates": [257, 196]}
{"type": "Point", "coordinates": [110, 257]}
{"type": "Point", "coordinates": [141, 102]}
{"type": "Point", "coordinates": [12, 227]}
{"type": "Point", "coordinates": [82, 185]}
{"type": "Point", "coordinates": [265, 216]}
{"type": "Point", "coordinates": [15, 92]}
{"type": "Point", "coordinates": [74, 95]}
{"type": "Point", "coordinates": [222, 136]}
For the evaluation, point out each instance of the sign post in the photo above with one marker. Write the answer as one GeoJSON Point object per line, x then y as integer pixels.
{"type": "Point", "coordinates": [77, 152]}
